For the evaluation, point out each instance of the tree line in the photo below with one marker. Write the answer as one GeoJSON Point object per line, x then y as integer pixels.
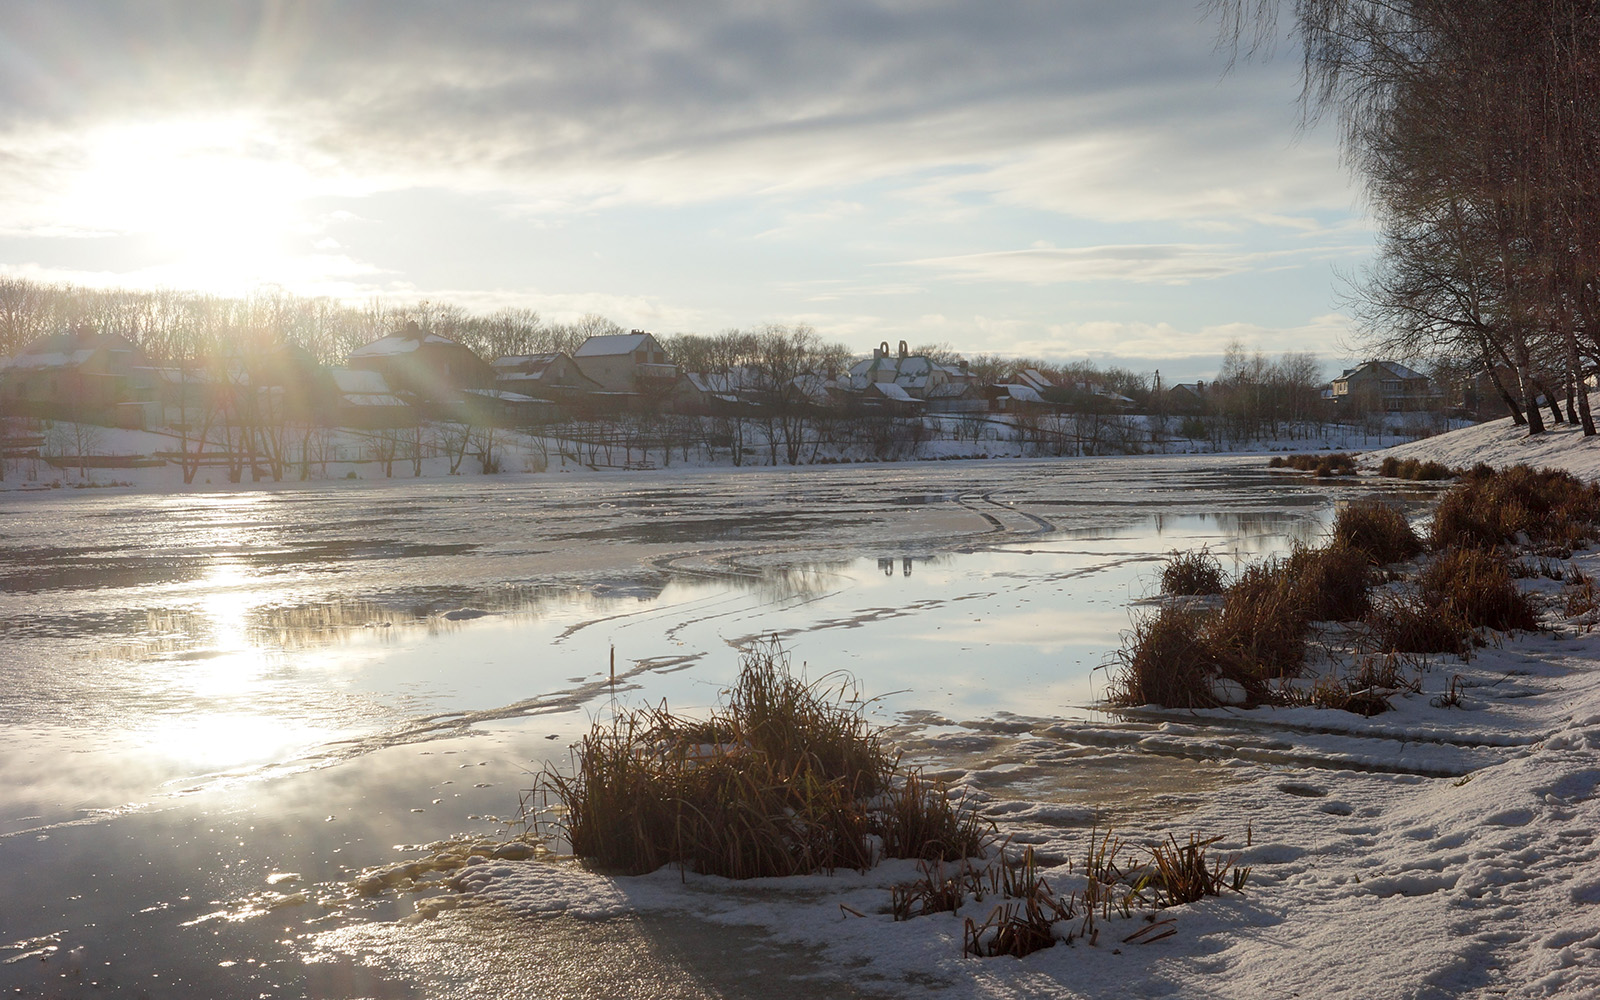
{"type": "Point", "coordinates": [167, 323]}
{"type": "Point", "coordinates": [1475, 126]}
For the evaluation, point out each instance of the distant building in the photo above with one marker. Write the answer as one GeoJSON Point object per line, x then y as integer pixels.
{"type": "Point", "coordinates": [82, 376]}
{"type": "Point", "coordinates": [553, 377]}
{"type": "Point", "coordinates": [429, 370]}
{"type": "Point", "coordinates": [627, 362]}
{"type": "Point", "coordinates": [1383, 385]}
{"type": "Point", "coordinates": [1185, 398]}
{"type": "Point", "coordinates": [918, 382]}
{"type": "Point", "coordinates": [365, 401]}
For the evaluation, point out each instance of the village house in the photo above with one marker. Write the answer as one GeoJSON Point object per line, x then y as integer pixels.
{"type": "Point", "coordinates": [627, 363]}
{"type": "Point", "coordinates": [1185, 398]}
{"type": "Point", "coordinates": [428, 370]}
{"type": "Point", "coordinates": [1386, 386]}
{"type": "Point", "coordinates": [903, 382]}
{"type": "Point", "coordinates": [365, 401]}
{"type": "Point", "coordinates": [82, 376]}
{"type": "Point", "coordinates": [553, 378]}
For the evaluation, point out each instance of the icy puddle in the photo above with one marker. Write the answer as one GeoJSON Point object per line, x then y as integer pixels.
{"type": "Point", "coordinates": [220, 709]}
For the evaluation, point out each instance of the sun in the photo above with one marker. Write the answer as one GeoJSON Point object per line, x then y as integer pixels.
{"type": "Point", "coordinates": [216, 202]}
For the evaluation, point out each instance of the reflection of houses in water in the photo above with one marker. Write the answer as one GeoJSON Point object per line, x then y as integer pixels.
{"type": "Point", "coordinates": [886, 563]}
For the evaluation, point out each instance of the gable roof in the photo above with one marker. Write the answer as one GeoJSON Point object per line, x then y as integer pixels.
{"type": "Point", "coordinates": [611, 344]}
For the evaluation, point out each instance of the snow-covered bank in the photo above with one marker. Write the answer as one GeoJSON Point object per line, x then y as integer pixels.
{"type": "Point", "coordinates": [149, 460]}
{"type": "Point", "coordinates": [1446, 849]}
{"type": "Point", "coordinates": [1369, 880]}
{"type": "Point", "coordinates": [1502, 443]}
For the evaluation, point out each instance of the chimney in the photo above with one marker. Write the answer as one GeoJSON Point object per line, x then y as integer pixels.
{"type": "Point", "coordinates": [881, 351]}
{"type": "Point", "coordinates": [903, 350]}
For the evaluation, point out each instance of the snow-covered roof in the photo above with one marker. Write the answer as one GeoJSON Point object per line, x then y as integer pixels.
{"type": "Point", "coordinates": [892, 391]}
{"type": "Point", "coordinates": [404, 342]}
{"type": "Point", "coordinates": [1400, 370]}
{"type": "Point", "coordinates": [510, 397]}
{"type": "Point", "coordinates": [610, 344]}
{"type": "Point", "coordinates": [1035, 379]}
{"type": "Point", "coordinates": [52, 359]}
{"type": "Point", "coordinates": [528, 364]}
{"type": "Point", "coordinates": [1023, 393]}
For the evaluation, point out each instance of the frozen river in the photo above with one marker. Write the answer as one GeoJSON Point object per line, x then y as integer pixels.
{"type": "Point", "coordinates": [208, 693]}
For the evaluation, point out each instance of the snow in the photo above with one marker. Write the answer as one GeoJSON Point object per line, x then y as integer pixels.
{"type": "Point", "coordinates": [399, 343]}
{"type": "Point", "coordinates": [1501, 443]}
{"type": "Point", "coordinates": [610, 344]}
{"type": "Point", "coordinates": [1435, 851]}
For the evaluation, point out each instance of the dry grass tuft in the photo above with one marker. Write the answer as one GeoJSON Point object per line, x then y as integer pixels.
{"type": "Point", "coordinates": [1378, 530]}
{"type": "Point", "coordinates": [1403, 623]}
{"type": "Point", "coordinates": [1414, 469]}
{"type": "Point", "coordinates": [1031, 916]}
{"type": "Point", "coordinates": [787, 778]}
{"type": "Point", "coordinates": [1182, 874]}
{"type": "Point", "coordinates": [1178, 657]}
{"type": "Point", "coordinates": [1190, 574]}
{"type": "Point", "coordinates": [1260, 631]}
{"type": "Point", "coordinates": [1476, 587]}
{"type": "Point", "coordinates": [1165, 660]}
{"type": "Point", "coordinates": [1335, 464]}
{"type": "Point", "coordinates": [1550, 510]}
{"type": "Point", "coordinates": [1366, 690]}
{"type": "Point", "coordinates": [1332, 581]}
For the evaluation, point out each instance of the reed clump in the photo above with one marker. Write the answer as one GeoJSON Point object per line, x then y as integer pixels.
{"type": "Point", "coordinates": [1548, 510]}
{"type": "Point", "coordinates": [1378, 530]}
{"type": "Point", "coordinates": [785, 778]}
{"type": "Point", "coordinates": [1415, 469]}
{"type": "Point", "coordinates": [1476, 587]}
{"type": "Point", "coordinates": [1335, 464]}
{"type": "Point", "coordinates": [1192, 574]}
{"type": "Point", "coordinates": [1166, 660]}
{"type": "Point", "coordinates": [1259, 633]}
{"type": "Point", "coordinates": [1332, 581]}
{"type": "Point", "coordinates": [1404, 623]}
{"type": "Point", "coordinates": [1365, 690]}
{"type": "Point", "coordinates": [1201, 658]}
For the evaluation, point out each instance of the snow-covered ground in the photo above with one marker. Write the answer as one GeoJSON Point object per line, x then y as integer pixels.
{"type": "Point", "coordinates": [341, 454]}
{"type": "Point", "coordinates": [1440, 850]}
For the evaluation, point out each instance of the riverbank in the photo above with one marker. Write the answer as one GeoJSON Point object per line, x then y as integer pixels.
{"type": "Point", "coordinates": [1444, 849]}
{"type": "Point", "coordinates": [148, 460]}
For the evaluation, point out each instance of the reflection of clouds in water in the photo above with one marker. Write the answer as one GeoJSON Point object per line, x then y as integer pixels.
{"type": "Point", "coordinates": [221, 740]}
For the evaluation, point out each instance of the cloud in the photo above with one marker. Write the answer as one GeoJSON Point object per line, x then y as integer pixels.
{"type": "Point", "coordinates": [577, 104]}
{"type": "Point", "coordinates": [1171, 264]}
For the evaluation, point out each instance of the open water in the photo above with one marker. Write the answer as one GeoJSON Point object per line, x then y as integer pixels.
{"type": "Point", "coordinates": [215, 697]}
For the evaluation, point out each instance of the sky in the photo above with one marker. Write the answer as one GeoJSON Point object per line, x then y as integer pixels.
{"type": "Point", "coordinates": [1069, 180]}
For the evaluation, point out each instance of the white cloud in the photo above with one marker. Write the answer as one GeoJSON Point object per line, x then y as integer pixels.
{"type": "Point", "coordinates": [1172, 264]}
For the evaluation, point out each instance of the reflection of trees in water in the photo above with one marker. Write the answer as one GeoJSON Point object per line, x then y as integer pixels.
{"type": "Point", "coordinates": [286, 627]}
{"type": "Point", "coordinates": [1252, 530]}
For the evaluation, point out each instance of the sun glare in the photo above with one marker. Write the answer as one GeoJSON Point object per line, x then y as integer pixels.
{"type": "Point", "coordinates": [220, 203]}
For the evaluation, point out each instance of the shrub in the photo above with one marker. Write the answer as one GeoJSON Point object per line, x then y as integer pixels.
{"type": "Point", "coordinates": [1260, 631]}
{"type": "Point", "coordinates": [1188, 574]}
{"type": "Point", "coordinates": [1376, 529]}
{"type": "Point", "coordinates": [786, 778]}
{"type": "Point", "coordinates": [1414, 469]}
{"type": "Point", "coordinates": [1402, 623]}
{"type": "Point", "coordinates": [1165, 661]}
{"type": "Point", "coordinates": [1331, 582]}
{"type": "Point", "coordinates": [1335, 464]}
{"type": "Point", "coordinates": [1477, 588]}
{"type": "Point", "coordinates": [1487, 508]}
